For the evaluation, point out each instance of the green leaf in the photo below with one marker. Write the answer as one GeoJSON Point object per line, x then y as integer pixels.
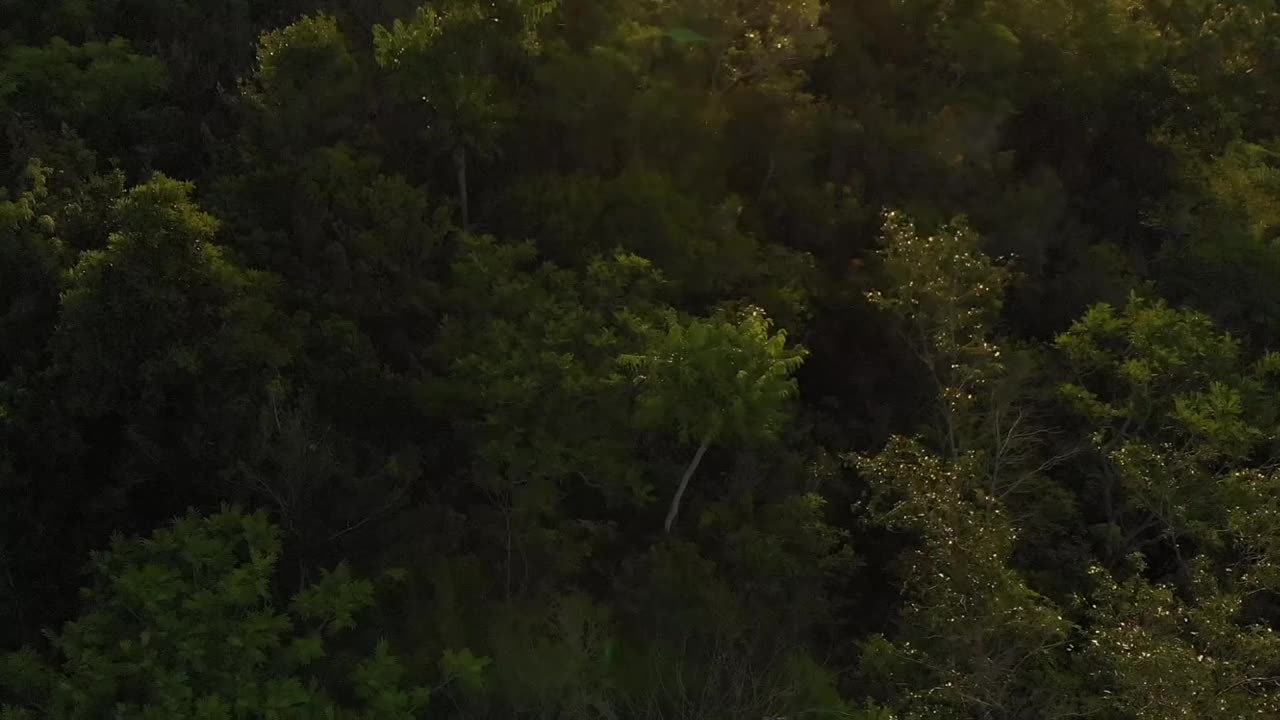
{"type": "Point", "coordinates": [464, 667]}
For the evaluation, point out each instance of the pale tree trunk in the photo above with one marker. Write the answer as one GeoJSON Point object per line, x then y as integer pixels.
{"type": "Point", "coordinates": [460, 165]}
{"type": "Point", "coordinates": [684, 481]}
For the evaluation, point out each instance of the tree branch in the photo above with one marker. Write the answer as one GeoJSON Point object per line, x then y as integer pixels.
{"type": "Point", "coordinates": [684, 481]}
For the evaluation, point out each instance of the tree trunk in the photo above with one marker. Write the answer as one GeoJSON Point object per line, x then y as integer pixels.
{"type": "Point", "coordinates": [460, 164]}
{"type": "Point", "coordinates": [684, 481]}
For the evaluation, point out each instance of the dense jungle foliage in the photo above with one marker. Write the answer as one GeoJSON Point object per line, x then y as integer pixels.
{"type": "Point", "coordinates": [640, 359]}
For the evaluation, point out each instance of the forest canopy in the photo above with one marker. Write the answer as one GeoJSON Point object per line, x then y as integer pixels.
{"type": "Point", "coordinates": [640, 359]}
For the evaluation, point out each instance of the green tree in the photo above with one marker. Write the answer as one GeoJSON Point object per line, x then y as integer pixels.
{"type": "Point", "coordinates": [161, 324]}
{"type": "Point", "coordinates": [1172, 407]}
{"type": "Point", "coordinates": [1178, 417]}
{"type": "Point", "coordinates": [308, 193]}
{"type": "Point", "coordinates": [450, 56]}
{"type": "Point", "coordinates": [973, 637]}
{"type": "Point", "coordinates": [104, 93]}
{"type": "Point", "coordinates": [947, 294]}
{"type": "Point", "coordinates": [32, 257]}
{"type": "Point", "coordinates": [156, 358]}
{"type": "Point", "coordinates": [528, 351]}
{"type": "Point", "coordinates": [305, 86]}
{"type": "Point", "coordinates": [723, 378]}
{"type": "Point", "coordinates": [185, 623]}
{"type": "Point", "coordinates": [1161, 655]}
